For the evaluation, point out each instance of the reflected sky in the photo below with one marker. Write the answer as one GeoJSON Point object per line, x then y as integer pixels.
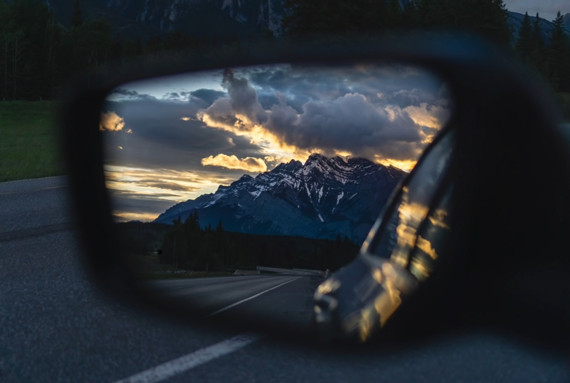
{"type": "Point", "coordinates": [172, 139]}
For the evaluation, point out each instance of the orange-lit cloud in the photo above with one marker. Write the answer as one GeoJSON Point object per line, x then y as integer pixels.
{"type": "Point", "coordinates": [405, 165]}
{"type": "Point", "coordinates": [125, 217]}
{"type": "Point", "coordinates": [346, 125]}
{"type": "Point", "coordinates": [249, 164]}
{"type": "Point", "coordinates": [111, 121]}
{"type": "Point", "coordinates": [187, 184]}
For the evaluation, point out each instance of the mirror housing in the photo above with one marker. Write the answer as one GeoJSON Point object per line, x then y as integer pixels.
{"type": "Point", "coordinates": [500, 113]}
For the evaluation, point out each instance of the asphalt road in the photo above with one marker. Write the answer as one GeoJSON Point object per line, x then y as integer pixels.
{"type": "Point", "coordinates": [285, 300]}
{"type": "Point", "coordinates": [56, 327]}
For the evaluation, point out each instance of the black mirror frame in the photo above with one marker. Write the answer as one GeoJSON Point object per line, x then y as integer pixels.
{"type": "Point", "coordinates": [470, 66]}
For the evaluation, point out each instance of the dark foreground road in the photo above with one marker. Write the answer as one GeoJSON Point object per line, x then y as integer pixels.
{"type": "Point", "coordinates": [285, 300]}
{"type": "Point", "coordinates": [55, 327]}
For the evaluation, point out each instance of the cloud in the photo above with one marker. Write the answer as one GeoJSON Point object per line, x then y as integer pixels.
{"type": "Point", "coordinates": [241, 111]}
{"type": "Point", "coordinates": [111, 121]}
{"type": "Point", "coordinates": [392, 125]}
{"type": "Point", "coordinates": [126, 94]}
{"type": "Point", "coordinates": [265, 117]}
{"type": "Point", "coordinates": [208, 95]}
{"type": "Point", "coordinates": [232, 162]}
{"type": "Point", "coordinates": [348, 124]}
{"type": "Point", "coordinates": [169, 186]}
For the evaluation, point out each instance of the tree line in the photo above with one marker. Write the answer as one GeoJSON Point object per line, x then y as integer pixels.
{"type": "Point", "coordinates": [488, 18]}
{"type": "Point", "coordinates": [38, 53]}
{"type": "Point", "coordinates": [186, 245]}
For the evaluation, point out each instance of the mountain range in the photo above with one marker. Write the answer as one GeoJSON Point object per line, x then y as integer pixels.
{"type": "Point", "coordinates": [206, 18]}
{"type": "Point", "coordinates": [322, 198]}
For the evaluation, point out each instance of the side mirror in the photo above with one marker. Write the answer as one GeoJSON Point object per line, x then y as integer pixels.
{"type": "Point", "coordinates": [423, 256]}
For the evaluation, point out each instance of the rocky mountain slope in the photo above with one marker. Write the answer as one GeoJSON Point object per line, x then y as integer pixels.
{"type": "Point", "coordinates": [319, 199]}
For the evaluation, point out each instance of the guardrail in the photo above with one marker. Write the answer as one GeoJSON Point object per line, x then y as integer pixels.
{"type": "Point", "coordinates": [304, 272]}
{"type": "Point", "coordinates": [247, 272]}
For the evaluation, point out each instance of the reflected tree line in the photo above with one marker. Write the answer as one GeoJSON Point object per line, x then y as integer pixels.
{"type": "Point", "coordinates": [38, 52]}
{"type": "Point", "coordinates": [186, 245]}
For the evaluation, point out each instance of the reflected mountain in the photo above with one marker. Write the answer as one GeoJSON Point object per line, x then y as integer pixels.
{"type": "Point", "coordinates": [322, 198]}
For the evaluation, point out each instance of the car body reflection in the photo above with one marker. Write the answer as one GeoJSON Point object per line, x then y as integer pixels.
{"type": "Point", "coordinates": [399, 254]}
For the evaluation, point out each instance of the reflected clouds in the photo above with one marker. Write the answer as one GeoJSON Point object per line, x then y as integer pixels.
{"type": "Point", "coordinates": [192, 139]}
{"type": "Point", "coordinates": [232, 162]}
{"type": "Point", "coordinates": [110, 121]}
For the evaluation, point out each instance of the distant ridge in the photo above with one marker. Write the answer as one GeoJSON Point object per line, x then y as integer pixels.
{"type": "Point", "coordinates": [319, 199]}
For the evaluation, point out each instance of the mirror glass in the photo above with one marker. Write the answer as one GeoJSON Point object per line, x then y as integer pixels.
{"type": "Point", "coordinates": [237, 191]}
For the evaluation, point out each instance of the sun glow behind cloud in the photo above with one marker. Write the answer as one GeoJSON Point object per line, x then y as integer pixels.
{"type": "Point", "coordinates": [161, 185]}
{"type": "Point", "coordinates": [280, 113]}
{"type": "Point", "coordinates": [232, 162]}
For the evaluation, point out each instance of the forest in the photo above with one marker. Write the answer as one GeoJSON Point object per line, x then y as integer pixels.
{"type": "Point", "coordinates": [186, 245]}
{"type": "Point", "coordinates": [38, 52]}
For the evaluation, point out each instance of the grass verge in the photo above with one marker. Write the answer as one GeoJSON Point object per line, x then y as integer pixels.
{"type": "Point", "coordinates": [28, 140]}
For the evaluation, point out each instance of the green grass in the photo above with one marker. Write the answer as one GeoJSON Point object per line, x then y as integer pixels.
{"type": "Point", "coordinates": [28, 140]}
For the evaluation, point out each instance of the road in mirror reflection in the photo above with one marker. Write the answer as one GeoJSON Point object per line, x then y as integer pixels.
{"type": "Point", "coordinates": [239, 191]}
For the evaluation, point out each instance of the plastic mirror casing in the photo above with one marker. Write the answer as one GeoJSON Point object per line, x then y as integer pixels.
{"type": "Point", "coordinates": [507, 125]}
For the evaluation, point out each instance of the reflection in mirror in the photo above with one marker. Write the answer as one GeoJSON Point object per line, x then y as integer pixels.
{"type": "Point", "coordinates": [400, 252]}
{"type": "Point", "coordinates": [238, 191]}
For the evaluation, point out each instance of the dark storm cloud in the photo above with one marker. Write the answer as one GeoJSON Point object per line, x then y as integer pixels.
{"type": "Point", "coordinates": [208, 95]}
{"type": "Point", "coordinates": [380, 84]}
{"type": "Point", "coordinates": [404, 98]}
{"type": "Point", "coordinates": [374, 123]}
{"type": "Point", "coordinates": [268, 100]}
{"type": "Point", "coordinates": [172, 96]}
{"type": "Point", "coordinates": [131, 94]}
{"type": "Point", "coordinates": [161, 139]}
{"type": "Point", "coordinates": [242, 97]}
{"type": "Point", "coordinates": [349, 123]}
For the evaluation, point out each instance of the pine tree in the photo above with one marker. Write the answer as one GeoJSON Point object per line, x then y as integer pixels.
{"type": "Point", "coordinates": [377, 17]}
{"type": "Point", "coordinates": [77, 18]}
{"type": "Point", "coordinates": [394, 14]}
{"type": "Point", "coordinates": [524, 45]}
{"type": "Point", "coordinates": [538, 55]}
{"type": "Point", "coordinates": [410, 16]}
{"type": "Point", "coordinates": [333, 17]}
{"type": "Point", "coordinates": [559, 55]}
{"type": "Point", "coordinates": [488, 18]}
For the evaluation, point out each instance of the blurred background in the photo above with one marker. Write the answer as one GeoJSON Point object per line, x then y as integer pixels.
{"type": "Point", "coordinates": [42, 42]}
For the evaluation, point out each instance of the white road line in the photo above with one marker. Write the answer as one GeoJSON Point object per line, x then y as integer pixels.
{"type": "Point", "coordinates": [195, 359]}
{"type": "Point", "coordinates": [248, 299]}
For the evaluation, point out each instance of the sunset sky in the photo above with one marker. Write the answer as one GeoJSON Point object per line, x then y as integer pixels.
{"type": "Point", "coordinates": [173, 139]}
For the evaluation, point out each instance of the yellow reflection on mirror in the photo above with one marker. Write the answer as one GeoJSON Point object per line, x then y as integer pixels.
{"type": "Point", "coordinates": [328, 286]}
{"type": "Point", "coordinates": [411, 215]}
{"type": "Point", "coordinates": [387, 303]}
{"type": "Point", "coordinates": [438, 217]}
{"type": "Point", "coordinates": [419, 269]}
{"type": "Point", "coordinates": [426, 246]}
